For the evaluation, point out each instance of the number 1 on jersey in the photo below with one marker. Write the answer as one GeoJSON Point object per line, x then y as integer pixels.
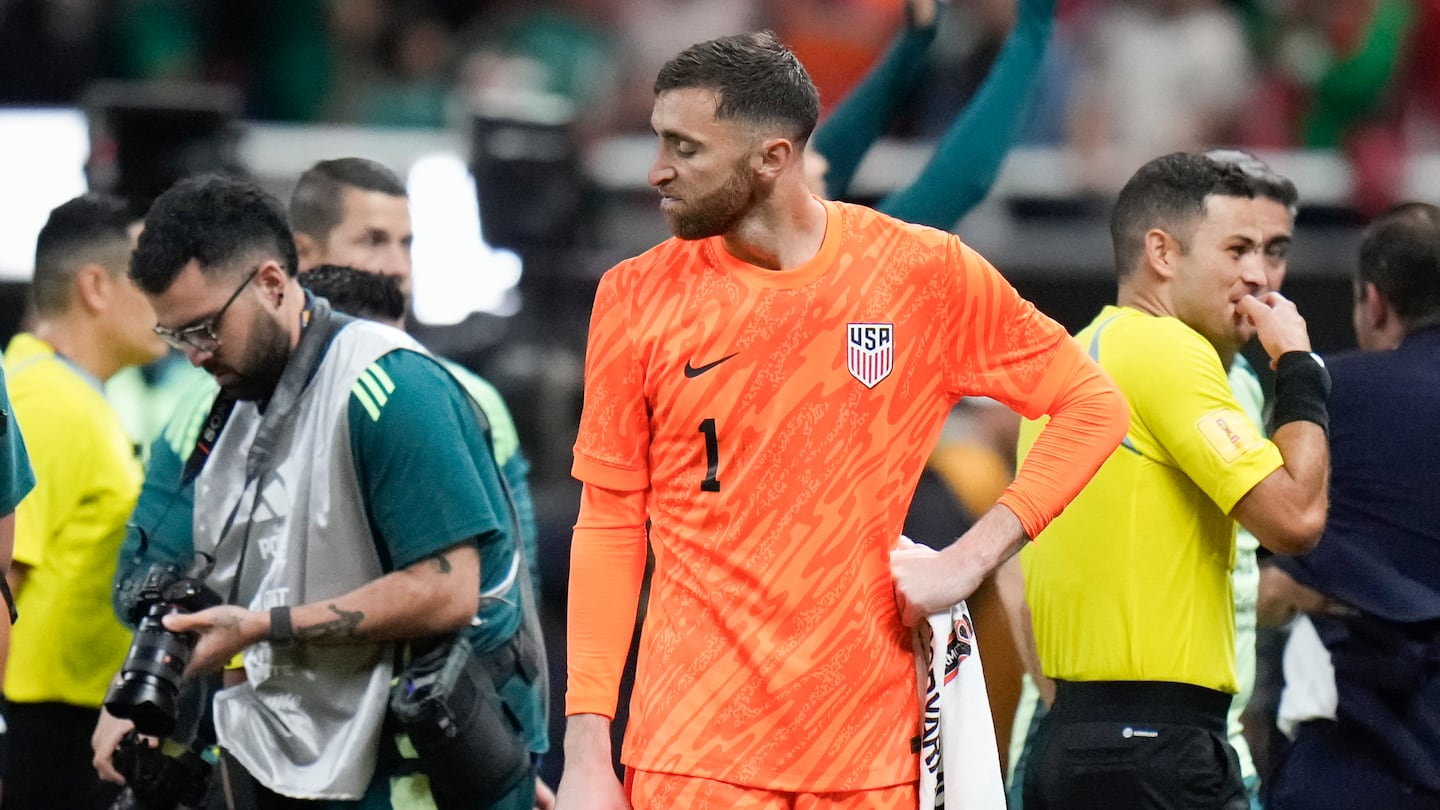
{"type": "Point", "coordinates": [712, 457]}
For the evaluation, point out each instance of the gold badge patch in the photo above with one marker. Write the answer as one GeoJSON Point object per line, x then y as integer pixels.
{"type": "Point", "coordinates": [1230, 433]}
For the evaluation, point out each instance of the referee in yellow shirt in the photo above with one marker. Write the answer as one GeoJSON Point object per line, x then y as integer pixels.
{"type": "Point", "coordinates": [1129, 589]}
{"type": "Point", "coordinates": [90, 321]}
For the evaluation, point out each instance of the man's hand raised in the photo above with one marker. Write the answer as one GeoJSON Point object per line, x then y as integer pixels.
{"type": "Point", "coordinates": [1278, 323]}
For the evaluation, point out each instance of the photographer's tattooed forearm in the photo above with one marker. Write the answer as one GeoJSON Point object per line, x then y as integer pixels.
{"type": "Point", "coordinates": [344, 627]}
{"type": "Point", "coordinates": [445, 566]}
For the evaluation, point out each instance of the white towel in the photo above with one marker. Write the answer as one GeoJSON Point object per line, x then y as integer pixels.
{"type": "Point", "coordinates": [1310, 692]}
{"type": "Point", "coordinates": [959, 764]}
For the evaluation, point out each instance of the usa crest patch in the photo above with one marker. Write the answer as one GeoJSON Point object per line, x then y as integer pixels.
{"type": "Point", "coordinates": [870, 352]}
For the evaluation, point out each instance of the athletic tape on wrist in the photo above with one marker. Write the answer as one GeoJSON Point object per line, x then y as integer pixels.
{"type": "Point", "coordinates": [1302, 385]}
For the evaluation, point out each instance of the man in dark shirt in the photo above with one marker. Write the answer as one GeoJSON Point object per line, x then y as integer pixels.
{"type": "Point", "coordinates": [1371, 588]}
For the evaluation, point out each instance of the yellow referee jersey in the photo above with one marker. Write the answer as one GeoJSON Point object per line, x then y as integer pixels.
{"type": "Point", "coordinates": [68, 642]}
{"type": "Point", "coordinates": [1132, 581]}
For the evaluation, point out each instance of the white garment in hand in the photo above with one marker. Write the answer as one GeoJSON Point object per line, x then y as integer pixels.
{"type": "Point", "coordinates": [959, 763]}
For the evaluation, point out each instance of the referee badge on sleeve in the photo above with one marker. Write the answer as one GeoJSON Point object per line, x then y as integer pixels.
{"type": "Point", "coordinates": [1229, 433]}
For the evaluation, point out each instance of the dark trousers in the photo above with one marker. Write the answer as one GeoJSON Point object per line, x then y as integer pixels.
{"type": "Point", "coordinates": [1326, 768]}
{"type": "Point", "coordinates": [1134, 745]}
{"type": "Point", "coordinates": [49, 759]}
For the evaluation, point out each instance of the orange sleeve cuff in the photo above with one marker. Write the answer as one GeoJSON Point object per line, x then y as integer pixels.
{"type": "Point", "coordinates": [1088, 419]}
{"type": "Point", "coordinates": [609, 476]}
{"type": "Point", "coordinates": [607, 566]}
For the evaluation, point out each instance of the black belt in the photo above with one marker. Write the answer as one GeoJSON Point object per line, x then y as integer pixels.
{"type": "Point", "coordinates": [1144, 701]}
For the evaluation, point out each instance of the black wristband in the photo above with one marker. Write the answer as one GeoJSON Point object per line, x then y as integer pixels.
{"type": "Point", "coordinates": [282, 632]}
{"type": "Point", "coordinates": [1301, 387]}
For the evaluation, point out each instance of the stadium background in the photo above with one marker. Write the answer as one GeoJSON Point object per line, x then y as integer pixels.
{"type": "Point", "coordinates": [521, 130]}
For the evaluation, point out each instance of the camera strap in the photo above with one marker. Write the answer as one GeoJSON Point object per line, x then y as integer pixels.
{"type": "Point", "coordinates": [528, 641]}
{"type": "Point", "coordinates": [523, 652]}
{"type": "Point", "coordinates": [322, 323]}
{"type": "Point", "coordinates": [237, 787]}
{"type": "Point", "coordinates": [526, 644]}
{"type": "Point", "coordinates": [209, 433]}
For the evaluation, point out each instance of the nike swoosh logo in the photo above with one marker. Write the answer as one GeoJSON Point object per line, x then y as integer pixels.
{"type": "Point", "coordinates": [692, 372]}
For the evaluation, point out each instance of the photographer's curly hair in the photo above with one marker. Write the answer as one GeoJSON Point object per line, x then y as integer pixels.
{"type": "Point", "coordinates": [220, 222]}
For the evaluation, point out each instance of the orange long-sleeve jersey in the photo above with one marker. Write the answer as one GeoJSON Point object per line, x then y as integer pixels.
{"type": "Point", "coordinates": [772, 426]}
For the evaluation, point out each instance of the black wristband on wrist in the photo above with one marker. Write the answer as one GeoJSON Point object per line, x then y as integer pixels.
{"type": "Point", "coordinates": [282, 632]}
{"type": "Point", "coordinates": [1301, 387]}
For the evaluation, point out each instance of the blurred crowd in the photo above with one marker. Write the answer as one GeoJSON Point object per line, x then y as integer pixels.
{"type": "Point", "coordinates": [1265, 74]}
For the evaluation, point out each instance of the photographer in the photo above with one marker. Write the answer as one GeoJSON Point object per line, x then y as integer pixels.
{"type": "Point", "coordinates": [344, 493]}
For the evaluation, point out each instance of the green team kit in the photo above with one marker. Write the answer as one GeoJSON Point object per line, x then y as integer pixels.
{"type": "Point", "coordinates": [382, 461]}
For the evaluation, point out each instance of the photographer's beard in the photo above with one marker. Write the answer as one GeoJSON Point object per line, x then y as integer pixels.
{"type": "Point", "coordinates": [254, 375]}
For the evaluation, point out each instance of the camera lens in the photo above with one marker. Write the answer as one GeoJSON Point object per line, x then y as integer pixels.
{"type": "Point", "coordinates": [150, 677]}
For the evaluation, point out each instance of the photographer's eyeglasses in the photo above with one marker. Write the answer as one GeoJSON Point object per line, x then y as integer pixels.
{"type": "Point", "coordinates": [202, 337]}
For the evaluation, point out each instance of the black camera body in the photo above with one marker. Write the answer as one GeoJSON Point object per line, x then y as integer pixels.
{"type": "Point", "coordinates": [150, 677]}
{"type": "Point", "coordinates": [156, 780]}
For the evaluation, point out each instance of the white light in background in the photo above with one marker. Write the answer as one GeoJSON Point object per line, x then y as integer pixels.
{"type": "Point", "coordinates": [455, 273]}
{"type": "Point", "coordinates": [42, 165]}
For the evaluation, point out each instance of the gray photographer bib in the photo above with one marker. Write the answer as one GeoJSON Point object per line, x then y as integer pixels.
{"type": "Point", "coordinates": [306, 722]}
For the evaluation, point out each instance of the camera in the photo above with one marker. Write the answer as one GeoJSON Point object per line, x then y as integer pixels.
{"type": "Point", "coordinates": [150, 678]}
{"type": "Point", "coordinates": [159, 780]}
{"type": "Point", "coordinates": [469, 742]}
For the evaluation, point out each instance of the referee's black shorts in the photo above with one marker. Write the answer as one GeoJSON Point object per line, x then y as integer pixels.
{"type": "Point", "coordinates": [1139, 745]}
